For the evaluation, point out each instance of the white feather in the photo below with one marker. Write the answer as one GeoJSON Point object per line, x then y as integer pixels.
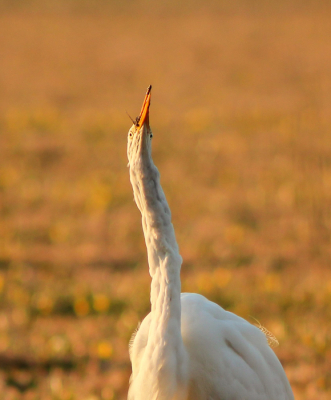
{"type": "Point", "coordinates": [188, 348]}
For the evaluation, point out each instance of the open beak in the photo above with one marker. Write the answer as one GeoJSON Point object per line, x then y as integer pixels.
{"type": "Point", "coordinates": [144, 113]}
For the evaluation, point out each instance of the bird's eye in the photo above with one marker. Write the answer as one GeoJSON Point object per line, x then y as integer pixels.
{"type": "Point", "coordinates": [151, 135]}
{"type": "Point", "coordinates": [130, 134]}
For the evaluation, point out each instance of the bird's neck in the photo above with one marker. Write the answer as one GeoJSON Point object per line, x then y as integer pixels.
{"type": "Point", "coordinates": [163, 254]}
{"type": "Point", "coordinates": [164, 340]}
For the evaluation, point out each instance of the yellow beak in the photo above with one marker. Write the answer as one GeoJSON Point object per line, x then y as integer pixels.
{"type": "Point", "coordinates": [144, 113]}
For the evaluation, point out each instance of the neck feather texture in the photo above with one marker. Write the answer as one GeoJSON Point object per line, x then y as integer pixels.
{"type": "Point", "coordinates": [164, 351]}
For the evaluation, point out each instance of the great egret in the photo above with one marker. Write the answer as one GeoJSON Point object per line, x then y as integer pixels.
{"type": "Point", "coordinates": [188, 348]}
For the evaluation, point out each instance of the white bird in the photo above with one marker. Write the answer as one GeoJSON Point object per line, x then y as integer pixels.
{"type": "Point", "coordinates": [187, 347]}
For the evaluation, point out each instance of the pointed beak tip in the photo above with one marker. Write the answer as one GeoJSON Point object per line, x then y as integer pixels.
{"type": "Point", "coordinates": [144, 113]}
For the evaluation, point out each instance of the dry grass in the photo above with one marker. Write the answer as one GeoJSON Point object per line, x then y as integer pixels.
{"type": "Point", "coordinates": [241, 114]}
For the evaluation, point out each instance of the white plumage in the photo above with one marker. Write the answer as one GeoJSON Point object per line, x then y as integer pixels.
{"type": "Point", "coordinates": [188, 348]}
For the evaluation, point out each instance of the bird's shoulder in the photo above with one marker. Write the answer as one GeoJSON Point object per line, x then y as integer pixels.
{"type": "Point", "coordinates": [197, 306]}
{"type": "Point", "coordinates": [202, 316]}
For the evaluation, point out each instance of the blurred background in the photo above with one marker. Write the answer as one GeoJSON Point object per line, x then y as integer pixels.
{"type": "Point", "coordinates": [241, 113]}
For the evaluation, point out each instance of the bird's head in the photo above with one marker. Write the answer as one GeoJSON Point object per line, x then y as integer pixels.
{"type": "Point", "coordinates": [140, 134]}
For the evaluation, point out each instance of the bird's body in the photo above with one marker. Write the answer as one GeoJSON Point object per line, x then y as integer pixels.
{"type": "Point", "coordinates": [229, 358]}
{"type": "Point", "coordinates": [188, 348]}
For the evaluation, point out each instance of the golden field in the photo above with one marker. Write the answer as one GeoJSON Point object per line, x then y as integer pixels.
{"type": "Point", "coordinates": [241, 114]}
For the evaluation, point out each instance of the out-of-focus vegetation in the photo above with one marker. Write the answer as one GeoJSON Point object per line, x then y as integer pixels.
{"type": "Point", "coordinates": [241, 113]}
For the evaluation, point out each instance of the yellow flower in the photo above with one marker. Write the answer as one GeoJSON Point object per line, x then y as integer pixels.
{"type": "Point", "coordinates": [104, 350]}
{"type": "Point", "coordinates": [101, 303]}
